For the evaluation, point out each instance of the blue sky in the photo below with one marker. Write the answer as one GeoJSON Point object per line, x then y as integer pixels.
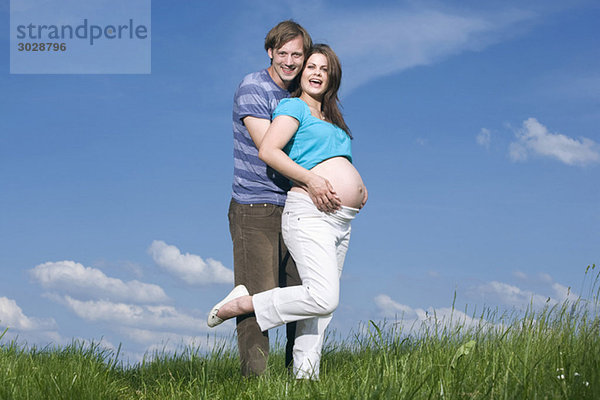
{"type": "Point", "coordinates": [476, 133]}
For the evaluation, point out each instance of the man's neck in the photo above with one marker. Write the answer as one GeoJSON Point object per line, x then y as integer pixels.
{"type": "Point", "coordinates": [277, 79]}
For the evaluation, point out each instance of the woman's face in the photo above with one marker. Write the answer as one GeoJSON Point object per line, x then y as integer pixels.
{"type": "Point", "coordinates": [315, 78]}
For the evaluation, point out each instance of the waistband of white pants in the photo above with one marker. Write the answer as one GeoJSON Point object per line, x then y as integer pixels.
{"type": "Point", "coordinates": [344, 212]}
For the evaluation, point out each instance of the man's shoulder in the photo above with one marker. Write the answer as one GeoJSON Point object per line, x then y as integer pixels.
{"type": "Point", "coordinates": [258, 78]}
{"type": "Point", "coordinates": [261, 81]}
{"type": "Point", "coordinates": [257, 95]}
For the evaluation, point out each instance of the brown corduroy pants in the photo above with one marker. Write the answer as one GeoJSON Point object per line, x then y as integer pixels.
{"type": "Point", "coordinates": [261, 262]}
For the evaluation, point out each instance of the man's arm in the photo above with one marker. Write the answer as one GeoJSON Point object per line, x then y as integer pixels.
{"type": "Point", "coordinates": [257, 127]}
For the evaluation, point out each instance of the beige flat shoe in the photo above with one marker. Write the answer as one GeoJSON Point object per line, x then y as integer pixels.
{"type": "Point", "coordinates": [238, 291]}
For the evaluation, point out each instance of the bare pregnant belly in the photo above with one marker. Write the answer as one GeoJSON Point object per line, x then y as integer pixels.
{"type": "Point", "coordinates": [344, 178]}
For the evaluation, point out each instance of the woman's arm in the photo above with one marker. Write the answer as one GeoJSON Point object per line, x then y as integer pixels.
{"type": "Point", "coordinates": [280, 132]}
{"type": "Point", "coordinates": [257, 127]}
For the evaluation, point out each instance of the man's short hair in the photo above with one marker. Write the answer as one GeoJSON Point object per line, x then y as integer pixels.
{"type": "Point", "coordinates": [285, 31]}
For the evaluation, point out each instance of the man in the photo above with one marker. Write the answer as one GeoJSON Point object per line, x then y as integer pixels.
{"type": "Point", "coordinates": [261, 260]}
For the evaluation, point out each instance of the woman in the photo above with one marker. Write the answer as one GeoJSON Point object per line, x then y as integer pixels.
{"type": "Point", "coordinates": [309, 142]}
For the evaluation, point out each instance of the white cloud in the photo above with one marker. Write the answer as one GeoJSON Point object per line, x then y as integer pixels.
{"type": "Point", "coordinates": [484, 138]}
{"type": "Point", "coordinates": [563, 293]}
{"type": "Point", "coordinates": [511, 295]}
{"type": "Point", "coordinates": [168, 342]}
{"type": "Point", "coordinates": [12, 316]}
{"type": "Point", "coordinates": [515, 296]}
{"type": "Point", "coordinates": [546, 278]}
{"type": "Point", "coordinates": [160, 340]}
{"type": "Point", "coordinates": [373, 41]}
{"type": "Point", "coordinates": [40, 338]}
{"type": "Point", "coordinates": [415, 318]}
{"type": "Point", "coordinates": [520, 275]}
{"type": "Point", "coordinates": [390, 308]}
{"type": "Point", "coordinates": [376, 41]}
{"type": "Point", "coordinates": [131, 315]}
{"type": "Point", "coordinates": [190, 268]}
{"type": "Point", "coordinates": [75, 279]}
{"type": "Point", "coordinates": [517, 152]}
{"type": "Point", "coordinates": [534, 138]}
{"type": "Point", "coordinates": [129, 267]}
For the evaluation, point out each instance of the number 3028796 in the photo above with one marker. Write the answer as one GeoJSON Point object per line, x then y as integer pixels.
{"type": "Point", "coordinates": [41, 46]}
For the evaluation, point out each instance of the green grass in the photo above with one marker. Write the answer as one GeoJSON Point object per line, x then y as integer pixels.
{"type": "Point", "coordinates": [553, 353]}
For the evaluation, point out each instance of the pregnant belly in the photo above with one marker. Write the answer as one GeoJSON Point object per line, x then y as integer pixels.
{"type": "Point", "coordinates": [344, 178]}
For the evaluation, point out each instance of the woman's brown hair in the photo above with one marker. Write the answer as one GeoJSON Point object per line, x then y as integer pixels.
{"type": "Point", "coordinates": [330, 107]}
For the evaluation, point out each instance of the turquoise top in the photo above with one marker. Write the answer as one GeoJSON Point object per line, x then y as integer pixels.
{"type": "Point", "coordinates": [315, 140]}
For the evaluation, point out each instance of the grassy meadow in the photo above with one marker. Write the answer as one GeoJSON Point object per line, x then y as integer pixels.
{"type": "Point", "coordinates": [552, 353]}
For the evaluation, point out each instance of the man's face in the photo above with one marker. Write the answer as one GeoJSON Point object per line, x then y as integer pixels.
{"type": "Point", "coordinates": [287, 61]}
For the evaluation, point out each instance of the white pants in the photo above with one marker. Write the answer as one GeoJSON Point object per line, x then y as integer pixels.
{"type": "Point", "coordinates": [318, 242]}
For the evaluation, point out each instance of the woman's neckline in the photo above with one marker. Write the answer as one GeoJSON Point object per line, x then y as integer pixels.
{"type": "Point", "coordinates": [311, 108]}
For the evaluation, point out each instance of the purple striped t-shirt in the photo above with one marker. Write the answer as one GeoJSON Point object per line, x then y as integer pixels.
{"type": "Point", "coordinates": [254, 181]}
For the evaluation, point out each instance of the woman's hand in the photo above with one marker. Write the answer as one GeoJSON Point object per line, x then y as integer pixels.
{"type": "Point", "coordinates": [319, 189]}
{"type": "Point", "coordinates": [322, 194]}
